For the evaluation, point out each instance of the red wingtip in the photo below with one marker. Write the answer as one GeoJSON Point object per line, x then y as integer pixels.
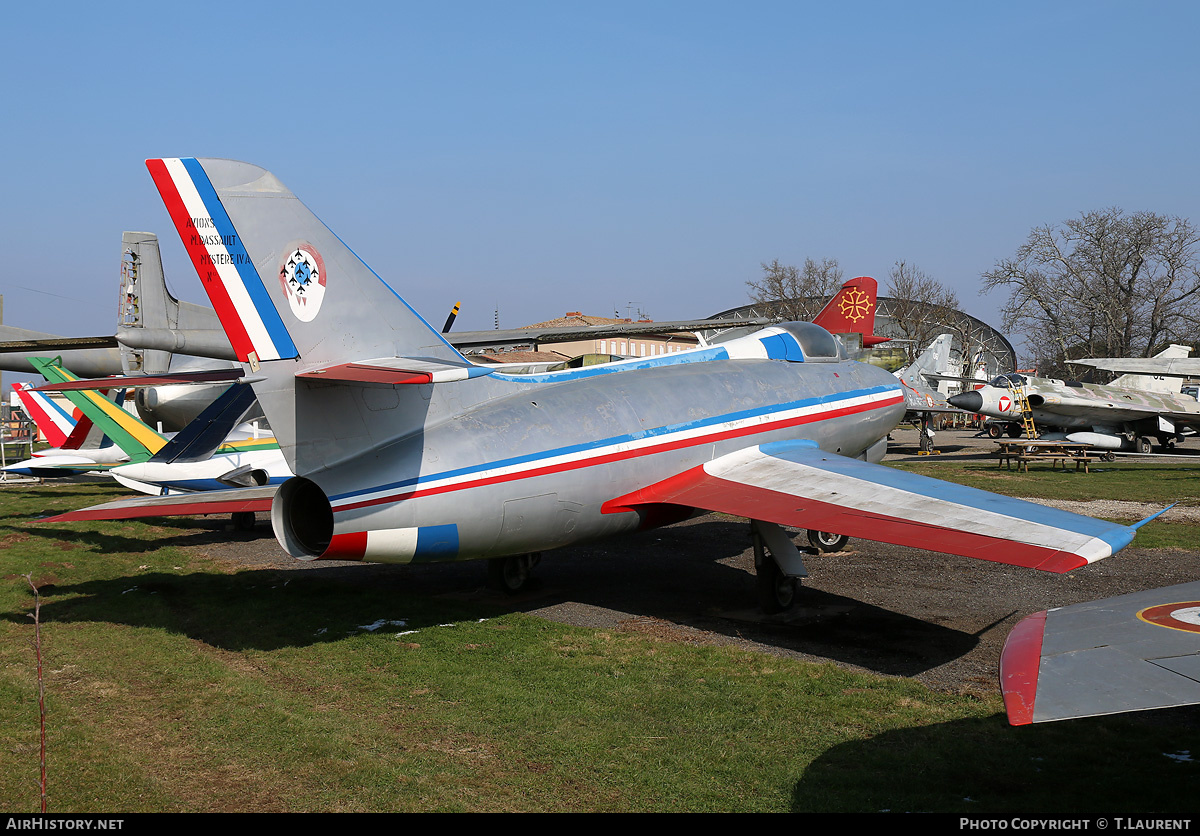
{"type": "Point", "coordinates": [1019, 664]}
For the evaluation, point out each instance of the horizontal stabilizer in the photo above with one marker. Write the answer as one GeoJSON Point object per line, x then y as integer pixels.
{"type": "Point", "coordinates": [217, 376]}
{"type": "Point", "coordinates": [178, 505]}
{"type": "Point", "coordinates": [794, 483]}
{"type": "Point", "coordinates": [397, 370]}
{"type": "Point", "coordinates": [1130, 653]}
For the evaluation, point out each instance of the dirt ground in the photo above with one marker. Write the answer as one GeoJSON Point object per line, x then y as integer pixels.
{"type": "Point", "coordinates": [886, 609]}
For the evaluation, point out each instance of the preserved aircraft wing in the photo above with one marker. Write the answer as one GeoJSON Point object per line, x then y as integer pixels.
{"type": "Point", "coordinates": [1129, 653]}
{"type": "Point", "coordinates": [794, 483]}
{"type": "Point", "coordinates": [1167, 366]}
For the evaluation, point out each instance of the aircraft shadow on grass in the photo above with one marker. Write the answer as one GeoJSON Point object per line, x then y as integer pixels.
{"type": "Point", "coordinates": [979, 765]}
{"type": "Point", "coordinates": [680, 575]}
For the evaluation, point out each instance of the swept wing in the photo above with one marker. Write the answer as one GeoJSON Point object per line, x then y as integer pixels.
{"type": "Point", "coordinates": [794, 483]}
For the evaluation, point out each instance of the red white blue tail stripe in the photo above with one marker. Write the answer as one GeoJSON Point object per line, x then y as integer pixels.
{"type": "Point", "coordinates": [234, 286]}
{"type": "Point", "coordinates": [54, 422]}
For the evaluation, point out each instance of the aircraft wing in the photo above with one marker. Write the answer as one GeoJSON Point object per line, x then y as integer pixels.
{"type": "Point", "coordinates": [483, 339]}
{"type": "Point", "coordinates": [794, 483]}
{"type": "Point", "coordinates": [176, 505]}
{"type": "Point", "coordinates": [1129, 653]}
{"type": "Point", "coordinates": [1167, 366]}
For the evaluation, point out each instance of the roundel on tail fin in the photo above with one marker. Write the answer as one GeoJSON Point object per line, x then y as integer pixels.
{"type": "Point", "coordinates": [302, 275]}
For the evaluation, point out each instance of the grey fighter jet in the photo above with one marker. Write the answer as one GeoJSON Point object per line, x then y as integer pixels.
{"type": "Point", "coordinates": [1125, 414]}
{"type": "Point", "coordinates": [404, 451]}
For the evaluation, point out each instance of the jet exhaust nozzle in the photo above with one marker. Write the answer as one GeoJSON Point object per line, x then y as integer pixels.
{"type": "Point", "coordinates": [302, 518]}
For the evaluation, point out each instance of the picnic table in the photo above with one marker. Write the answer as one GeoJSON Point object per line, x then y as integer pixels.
{"type": "Point", "coordinates": [1022, 451]}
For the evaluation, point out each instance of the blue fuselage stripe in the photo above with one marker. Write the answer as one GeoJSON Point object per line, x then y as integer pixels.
{"type": "Point", "coordinates": [619, 439]}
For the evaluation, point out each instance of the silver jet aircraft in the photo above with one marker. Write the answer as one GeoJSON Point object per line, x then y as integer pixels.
{"type": "Point", "coordinates": [1125, 414]}
{"type": "Point", "coordinates": [404, 451]}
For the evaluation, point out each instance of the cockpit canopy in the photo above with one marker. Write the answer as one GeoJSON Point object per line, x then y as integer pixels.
{"type": "Point", "coordinates": [1008, 381]}
{"type": "Point", "coordinates": [816, 343]}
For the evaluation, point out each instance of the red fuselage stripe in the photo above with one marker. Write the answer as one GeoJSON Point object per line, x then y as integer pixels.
{"type": "Point", "coordinates": [628, 454]}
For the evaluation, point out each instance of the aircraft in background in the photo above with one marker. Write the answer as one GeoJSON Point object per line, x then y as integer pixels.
{"type": "Point", "coordinates": [1174, 362]}
{"type": "Point", "coordinates": [78, 445]}
{"type": "Point", "coordinates": [1112, 417]}
{"type": "Point", "coordinates": [182, 337]}
{"type": "Point", "coordinates": [920, 380]}
{"type": "Point", "coordinates": [405, 451]}
{"type": "Point", "coordinates": [1129, 653]}
{"type": "Point", "coordinates": [208, 454]}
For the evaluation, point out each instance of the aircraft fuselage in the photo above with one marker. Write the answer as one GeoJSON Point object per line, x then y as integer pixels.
{"type": "Point", "coordinates": [535, 462]}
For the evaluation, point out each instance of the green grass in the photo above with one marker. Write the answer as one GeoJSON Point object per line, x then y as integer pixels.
{"type": "Point", "coordinates": [177, 684]}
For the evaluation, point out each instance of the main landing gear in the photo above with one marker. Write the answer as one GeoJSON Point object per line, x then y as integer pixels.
{"type": "Point", "coordinates": [825, 542]}
{"type": "Point", "coordinates": [243, 520]}
{"type": "Point", "coordinates": [779, 565]}
{"type": "Point", "coordinates": [511, 574]}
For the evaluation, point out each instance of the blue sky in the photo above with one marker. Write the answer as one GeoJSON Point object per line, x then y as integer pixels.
{"type": "Point", "coordinates": [548, 157]}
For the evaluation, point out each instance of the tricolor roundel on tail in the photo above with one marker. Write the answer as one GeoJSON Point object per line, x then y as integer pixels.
{"type": "Point", "coordinates": [230, 278]}
{"type": "Point", "coordinates": [303, 279]}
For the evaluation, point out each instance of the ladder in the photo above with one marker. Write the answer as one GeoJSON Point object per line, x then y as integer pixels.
{"type": "Point", "coordinates": [1022, 402]}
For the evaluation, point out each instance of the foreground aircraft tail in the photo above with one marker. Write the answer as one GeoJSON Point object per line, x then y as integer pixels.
{"type": "Point", "coordinates": [286, 288]}
{"type": "Point", "coordinates": [852, 311]}
{"type": "Point", "coordinates": [280, 280]}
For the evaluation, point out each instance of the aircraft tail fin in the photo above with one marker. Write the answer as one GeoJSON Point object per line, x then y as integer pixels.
{"type": "Point", "coordinates": [280, 280]}
{"type": "Point", "coordinates": [208, 430]}
{"type": "Point", "coordinates": [852, 311]}
{"type": "Point", "coordinates": [147, 305]}
{"type": "Point", "coordinates": [286, 288]}
{"type": "Point", "coordinates": [934, 360]}
{"type": "Point", "coordinates": [1153, 382]}
{"type": "Point", "coordinates": [51, 419]}
{"type": "Point", "coordinates": [133, 436]}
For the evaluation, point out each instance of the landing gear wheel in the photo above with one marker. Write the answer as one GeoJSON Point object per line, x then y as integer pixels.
{"type": "Point", "coordinates": [1166, 443]}
{"type": "Point", "coordinates": [1013, 431]}
{"type": "Point", "coordinates": [995, 431]}
{"type": "Point", "coordinates": [1142, 445]}
{"type": "Point", "coordinates": [826, 542]}
{"type": "Point", "coordinates": [243, 520]}
{"type": "Point", "coordinates": [776, 591]}
{"type": "Point", "coordinates": [510, 575]}
{"type": "Point", "coordinates": [1109, 456]}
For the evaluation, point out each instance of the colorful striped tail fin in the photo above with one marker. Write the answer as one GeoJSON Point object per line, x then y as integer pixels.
{"type": "Point", "coordinates": [132, 435]}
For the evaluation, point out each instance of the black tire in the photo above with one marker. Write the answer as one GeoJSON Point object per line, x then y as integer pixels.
{"type": "Point", "coordinates": [995, 431]}
{"type": "Point", "coordinates": [776, 591]}
{"type": "Point", "coordinates": [826, 542]}
{"type": "Point", "coordinates": [509, 575]}
{"type": "Point", "coordinates": [1013, 431]}
{"type": "Point", "coordinates": [1108, 456]}
{"type": "Point", "coordinates": [243, 520]}
{"type": "Point", "coordinates": [1142, 444]}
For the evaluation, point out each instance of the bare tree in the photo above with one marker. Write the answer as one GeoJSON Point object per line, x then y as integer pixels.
{"type": "Point", "coordinates": [916, 306]}
{"type": "Point", "coordinates": [792, 294]}
{"type": "Point", "coordinates": [1105, 283]}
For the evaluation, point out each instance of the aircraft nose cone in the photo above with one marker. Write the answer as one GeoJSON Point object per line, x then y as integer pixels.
{"type": "Point", "coordinates": [967, 401]}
